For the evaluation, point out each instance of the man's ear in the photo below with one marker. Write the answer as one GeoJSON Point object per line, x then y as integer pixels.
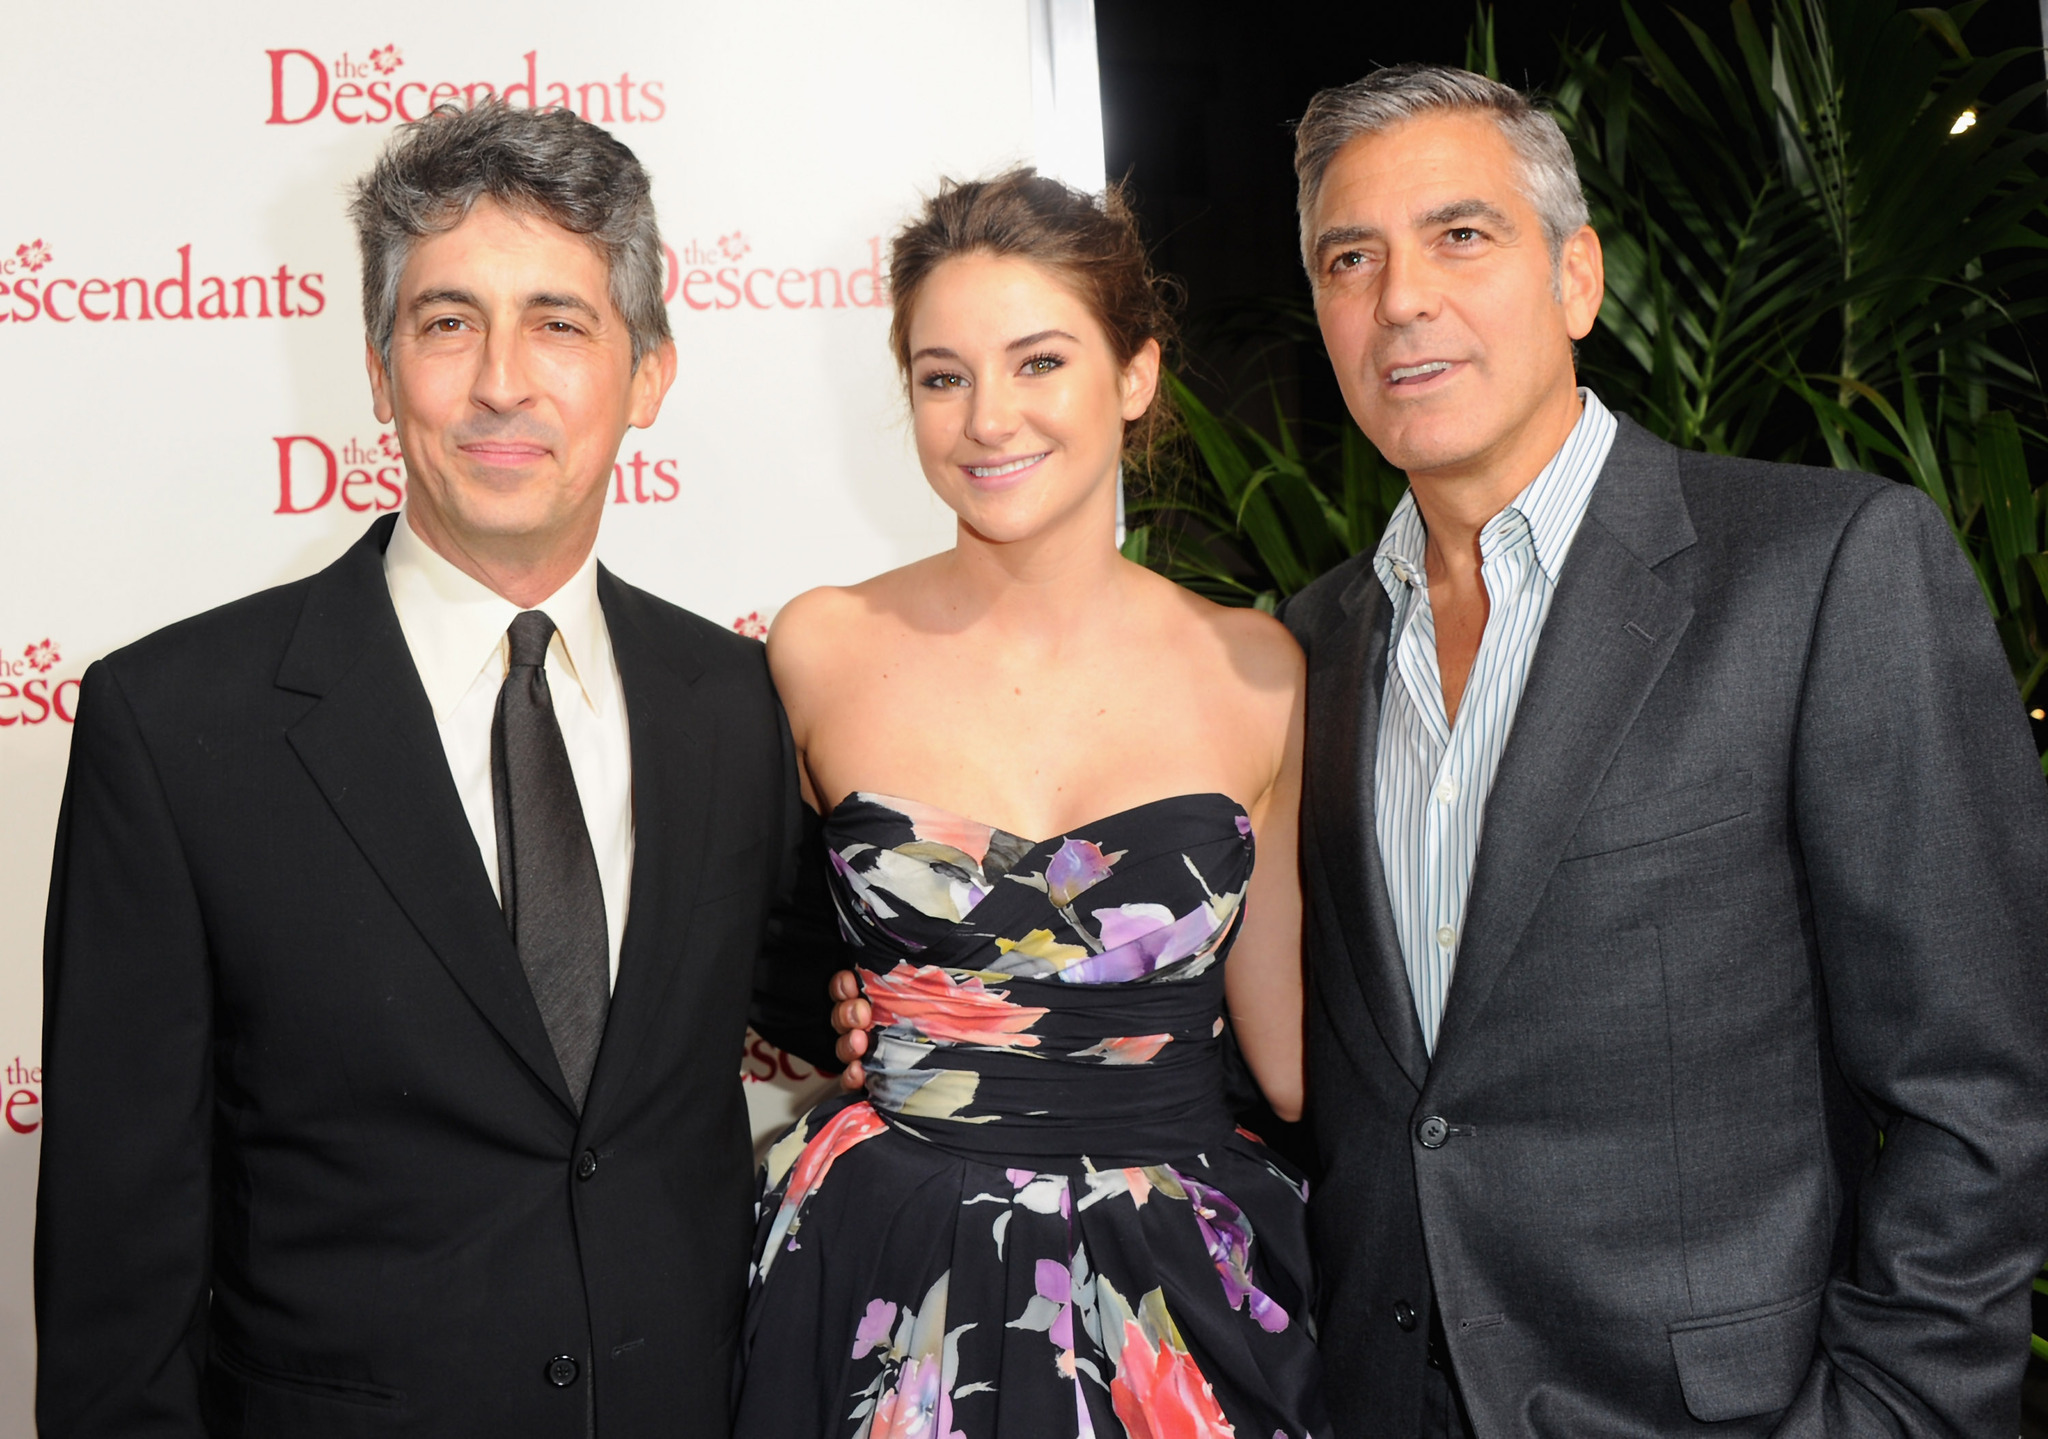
{"type": "Point", "coordinates": [1581, 281]}
{"type": "Point", "coordinates": [380, 384]}
{"type": "Point", "coordinates": [655, 373]}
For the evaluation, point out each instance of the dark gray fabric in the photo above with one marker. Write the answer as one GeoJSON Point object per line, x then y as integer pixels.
{"type": "Point", "coordinates": [1761, 880]}
{"type": "Point", "coordinates": [309, 1164]}
{"type": "Point", "coordinates": [547, 872]}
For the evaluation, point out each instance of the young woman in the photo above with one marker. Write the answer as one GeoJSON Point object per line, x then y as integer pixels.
{"type": "Point", "coordinates": [1042, 770]}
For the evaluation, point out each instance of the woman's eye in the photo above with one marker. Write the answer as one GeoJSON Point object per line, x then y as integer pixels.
{"type": "Point", "coordinates": [1042, 364]}
{"type": "Point", "coordinates": [943, 380]}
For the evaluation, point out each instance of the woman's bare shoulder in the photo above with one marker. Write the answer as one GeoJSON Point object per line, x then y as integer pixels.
{"type": "Point", "coordinates": [1252, 643]}
{"type": "Point", "coordinates": [818, 631]}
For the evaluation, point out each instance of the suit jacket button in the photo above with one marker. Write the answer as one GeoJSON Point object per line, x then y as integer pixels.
{"type": "Point", "coordinates": [1404, 1315]}
{"type": "Point", "coordinates": [586, 1165]}
{"type": "Point", "coordinates": [561, 1371]}
{"type": "Point", "coordinates": [1433, 1132]}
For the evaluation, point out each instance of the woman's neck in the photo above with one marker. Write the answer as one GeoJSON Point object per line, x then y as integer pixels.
{"type": "Point", "coordinates": [1053, 584]}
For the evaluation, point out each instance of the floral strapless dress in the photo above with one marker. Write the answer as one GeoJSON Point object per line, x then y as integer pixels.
{"type": "Point", "coordinates": [1039, 1220]}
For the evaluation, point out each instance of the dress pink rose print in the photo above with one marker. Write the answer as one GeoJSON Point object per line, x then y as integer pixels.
{"type": "Point", "coordinates": [1039, 1220]}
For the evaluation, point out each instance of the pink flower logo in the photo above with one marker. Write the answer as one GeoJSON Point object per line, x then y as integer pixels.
{"type": "Point", "coordinates": [733, 246]}
{"type": "Point", "coordinates": [33, 256]}
{"type": "Point", "coordinates": [42, 658]}
{"type": "Point", "coordinates": [387, 59]}
{"type": "Point", "coordinates": [388, 443]}
{"type": "Point", "coordinates": [751, 625]}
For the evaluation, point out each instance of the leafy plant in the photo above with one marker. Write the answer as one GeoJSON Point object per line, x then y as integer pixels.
{"type": "Point", "coordinates": [1812, 256]}
{"type": "Point", "coordinates": [1809, 258]}
{"type": "Point", "coordinates": [1246, 519]}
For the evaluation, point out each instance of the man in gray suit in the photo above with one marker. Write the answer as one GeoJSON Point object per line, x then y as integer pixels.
{"type": "Point", "coordinates": [1677, 868]}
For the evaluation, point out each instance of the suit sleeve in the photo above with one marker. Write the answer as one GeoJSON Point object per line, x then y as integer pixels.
{"type": "Point", "coordinates": [124, 1199]}
{"type": "Point", "coordinates": [1923, 824]}
{"type": "Point", "coordinates": [803, 948]}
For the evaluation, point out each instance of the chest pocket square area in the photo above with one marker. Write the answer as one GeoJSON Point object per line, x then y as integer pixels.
{"type": "Point", "coordinates": [1665, 814]}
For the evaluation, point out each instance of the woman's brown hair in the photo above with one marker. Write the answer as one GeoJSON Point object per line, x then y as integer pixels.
{"type": "Point", "coordinates": [1092, 246]}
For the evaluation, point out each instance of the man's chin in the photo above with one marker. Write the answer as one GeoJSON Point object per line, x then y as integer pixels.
{"type": "Point", "coordinates": [1424, 453]}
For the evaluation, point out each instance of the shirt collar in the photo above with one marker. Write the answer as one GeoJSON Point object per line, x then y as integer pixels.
{"type": "Point", "coordinates": [455, 625]}
{"type": "Point", "coordinates": [1552, 505]}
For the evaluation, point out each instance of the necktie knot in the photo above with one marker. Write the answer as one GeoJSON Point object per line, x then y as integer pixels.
{"type": "Point", "coordinates": [530, 632]}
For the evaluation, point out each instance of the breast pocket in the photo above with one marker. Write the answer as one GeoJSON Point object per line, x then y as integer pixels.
{"type": "Point", "coordinates": [1667, 814]}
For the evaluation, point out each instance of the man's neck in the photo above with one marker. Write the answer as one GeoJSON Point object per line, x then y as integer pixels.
{"type": "Point", "coordinates": [523, 570]}
{"type": "Point", "coordinates": [1457, 501]}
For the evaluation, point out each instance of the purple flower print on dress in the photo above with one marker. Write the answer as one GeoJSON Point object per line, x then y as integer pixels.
{"type": "Point", "coordinates": [1228, 1236]}
{"type": "Point", "coordinates": [874, 1327]}
{"type": "Point", "coordinates": [1244, 826]}
{"type": "Point", "coordinates": [1136, 942]}
{"type": "Point", "coordinates": [1078, 867]}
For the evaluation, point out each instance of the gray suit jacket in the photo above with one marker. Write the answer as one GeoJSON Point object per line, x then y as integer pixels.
{"type": "Point", "coordinates": [1741, 1099]}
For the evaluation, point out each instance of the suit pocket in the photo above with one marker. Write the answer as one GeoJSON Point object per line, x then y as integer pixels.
{"type": "Point", "coordinates": [307, 1386]}
{"type": "Point", "coordinates": [1731, 1366]}
{"type": "Point", "coordinates": [1665, 815]}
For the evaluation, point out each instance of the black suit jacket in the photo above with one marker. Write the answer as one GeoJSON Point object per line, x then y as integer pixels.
{"type": "Point", "coordinates": [309, 1165]}
{"type": "Point", "coordinates": [1760, 889]}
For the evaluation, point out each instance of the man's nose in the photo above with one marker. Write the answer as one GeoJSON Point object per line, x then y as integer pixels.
{"type": "Point", "coordinates": [502, 379]}
{"type": "Point", "coordinates": [1408, 291]}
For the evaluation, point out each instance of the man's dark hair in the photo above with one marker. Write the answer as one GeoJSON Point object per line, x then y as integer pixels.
{"type": "Point", "coordinates": [549, 163]}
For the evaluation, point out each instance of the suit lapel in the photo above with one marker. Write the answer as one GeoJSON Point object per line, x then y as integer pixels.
{"type": "Point", "coordinates": [1612, 628]}
{"type": "Point", "coordinates": [1344, 720]}
{"type": "Point", "coordinates": [673, 763]}
{"type": "Point", "coordinates": [372, 747]}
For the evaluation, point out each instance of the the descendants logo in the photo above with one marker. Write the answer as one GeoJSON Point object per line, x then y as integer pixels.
{"type": "Point", "coordinates": [379, 89]}
{"type": "Point", "coordinates": [762, 1063]}
{"type": "Point", "coordinates": [30, 692]}
{"type": "Point", "coordinates": [368, 476]}
{"type": "Point", "coordinates": [27, 294]}
{"type": "Point", "coordinates": [725, 274]}
{"type": "Point", "coordinates": [21, 1097]}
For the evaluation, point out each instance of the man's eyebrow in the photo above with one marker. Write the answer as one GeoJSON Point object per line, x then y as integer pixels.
{"type": "Point", "coordinates": [549, 300]}
{"type": "Point", "coordinates": [1473, 209]}
{"type": "Point", "coordinates": [427, 298]}
{"type": "Point", "coordinates": [542, 300]}
{"type": "Point", "coordinates": [1345, 235]}
{"type": "Point", "coordinates": [1038, 339]}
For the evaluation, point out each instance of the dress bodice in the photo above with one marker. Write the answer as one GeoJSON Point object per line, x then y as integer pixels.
{"type": "Point", "coordinates": [1058, 997]}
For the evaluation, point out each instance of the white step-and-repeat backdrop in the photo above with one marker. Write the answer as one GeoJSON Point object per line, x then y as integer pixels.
{"type": "Point", "coordinates": [181, 353]}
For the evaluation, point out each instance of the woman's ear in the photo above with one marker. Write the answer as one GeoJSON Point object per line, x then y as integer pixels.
{"type": "Point", "coordinates": [1140, 380]}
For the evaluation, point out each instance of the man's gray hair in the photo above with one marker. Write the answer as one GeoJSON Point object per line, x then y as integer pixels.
{"type": "Point", "coordinates": [1386, 97]}
{"type": "Point", "coordinates": [548, 163]}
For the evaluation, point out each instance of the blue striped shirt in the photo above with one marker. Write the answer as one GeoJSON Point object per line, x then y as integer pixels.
{"type": "Point", "coordinates": [1432, 777]}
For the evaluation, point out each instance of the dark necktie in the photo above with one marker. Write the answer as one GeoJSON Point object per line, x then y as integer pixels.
{"type": "Point", "coordinates": [547, 872]}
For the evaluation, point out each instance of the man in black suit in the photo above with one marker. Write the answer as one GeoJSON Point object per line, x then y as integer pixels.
{"type": "Point", "coordinates": [405, 918]}
{"type": "Point", "coordinates": [1675, 858]}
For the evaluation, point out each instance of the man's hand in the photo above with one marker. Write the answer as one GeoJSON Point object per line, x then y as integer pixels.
{"type": "Point", "coordinates": [851, 1017]}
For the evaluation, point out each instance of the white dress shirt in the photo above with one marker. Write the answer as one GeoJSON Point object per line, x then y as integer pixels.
{"type": "Point", "coordinates": [1432, 778]}
{"type": "Point", "coordinates": [455, 627]}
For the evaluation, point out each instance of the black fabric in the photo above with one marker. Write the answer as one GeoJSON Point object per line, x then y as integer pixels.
{"type": "Point", "coordinates": [547, 873]}
{"type": "Point", "coordinates": [1038, 1221]}
{"type": "Point", "coordinates": [1761, 873]}
{"type": "Point", "coordinates": [309, 1165]}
